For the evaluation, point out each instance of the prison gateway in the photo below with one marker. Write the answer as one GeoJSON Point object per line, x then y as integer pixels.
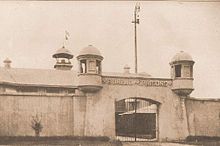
{"type": "Point", "coordinates": [85, 101]}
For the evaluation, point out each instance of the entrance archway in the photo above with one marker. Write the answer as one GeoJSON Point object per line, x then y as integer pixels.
{"type": "Point", "coordinates": [136, 119]}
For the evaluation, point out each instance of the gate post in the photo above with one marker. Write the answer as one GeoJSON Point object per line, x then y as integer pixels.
{"type": "Point", "coordinates": [135, 120]}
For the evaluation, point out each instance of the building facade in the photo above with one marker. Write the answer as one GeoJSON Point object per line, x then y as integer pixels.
{"type": "Point", "coordinates": [89, 102]}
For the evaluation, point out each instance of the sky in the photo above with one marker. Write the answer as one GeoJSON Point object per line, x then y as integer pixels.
{"type": "Point", "coordinates": [31, 32]}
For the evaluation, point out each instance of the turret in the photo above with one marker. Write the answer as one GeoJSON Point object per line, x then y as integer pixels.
{"type": "Point", "coordinates": [7, 63]}
{"type": "Point", "coordinates": [182, 73]}
{"type": "Point", "coordinates": [126, 69]}
{"type": "Point", "coordinates": [63, 57]}
{"type": "Point", "coordinates": [90, 69]}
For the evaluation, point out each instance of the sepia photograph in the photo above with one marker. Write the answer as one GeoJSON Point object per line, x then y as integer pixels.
{"type": "Point", "coordinates": [110, 73]}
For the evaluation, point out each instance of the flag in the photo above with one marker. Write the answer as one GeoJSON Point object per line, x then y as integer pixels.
{"type": "Point", "coordinates": [67, 35]}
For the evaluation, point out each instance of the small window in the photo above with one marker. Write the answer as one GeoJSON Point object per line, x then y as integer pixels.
{"type": "Point", "coordinates": [177, 70]}
{"type": "Point", "coordinates": [83, 68]}
{"type": "Point", "coordinates": [92, 66]}
{"type": "Point", "coordinates": [53, 90]}
{"type": "Point", "coordinates": [2, 89]}
{"type": "Point", "coordinates": [63, 61]}
{"type": "Point", "coordinates": [71, 91]}
{"type": "Point", "coordinates": [27, 89]}
{"type": "Point", "coordinates": [98, 66]}
{"type": "Point", "coordinates": [191, 71]}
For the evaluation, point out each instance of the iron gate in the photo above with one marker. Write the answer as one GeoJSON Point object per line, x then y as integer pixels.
{"type": "Point", "coordinates": [136, 120]}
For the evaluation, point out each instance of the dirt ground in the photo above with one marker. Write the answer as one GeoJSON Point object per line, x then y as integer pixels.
{"type": "Point", "coordinates": [90, 141]}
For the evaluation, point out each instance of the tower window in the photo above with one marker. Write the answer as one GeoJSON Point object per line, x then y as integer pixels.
{"type": "Point", "coordinates": [92, 66]}
{"type": "Point", "coordinates": [191, 71]}
{"type": "Point", "coordinates": [98, 66]}
{"type": "Point", "coordinates": [177, 70]}
{"type": "Point", "coordinates": [83, 68]}
{"type": "Point", "coordinates": [63, 61]}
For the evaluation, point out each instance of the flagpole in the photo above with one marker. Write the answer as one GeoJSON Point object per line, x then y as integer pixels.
{"type": "Point", "coordinates": [66, 38]}
{"type": "Point", "coordinates": [136, 21]}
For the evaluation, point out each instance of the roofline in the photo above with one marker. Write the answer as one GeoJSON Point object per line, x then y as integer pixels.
{"type": "Point", "coordinates": [181, 61]}
{"type": "Point", "coordinates": [40, 94]}
{"type": "Point", "coordinates": [63, 55]}
{"type": "Point", "coordinates": [83, 56]}
{"type": "Point", "coordinates": [137, 77]}
{"type": "Point", "coordinates": [204, 99]}
{"type": "Point", "coordinates": [37, 85]}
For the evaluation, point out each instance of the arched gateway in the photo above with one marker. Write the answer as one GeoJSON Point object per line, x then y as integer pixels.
{"type": "Point", "coordinates": [136, 119]}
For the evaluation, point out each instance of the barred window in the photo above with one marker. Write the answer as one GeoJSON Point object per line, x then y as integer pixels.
{"type": "Point", "coordinates": [178, 70]}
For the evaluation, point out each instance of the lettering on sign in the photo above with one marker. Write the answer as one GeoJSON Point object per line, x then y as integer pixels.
{"type": "Point", "coordinates": [140, 82]}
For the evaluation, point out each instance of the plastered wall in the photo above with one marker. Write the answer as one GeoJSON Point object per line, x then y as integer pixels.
{"type": "Point", "coordinates": [203, 117]}
{"type": "Point", "coordinates": [57, 115]}
{"type": "Point", "coordinates": [93, 114]}
{"type": "Point", "coordinates": [100, 115]}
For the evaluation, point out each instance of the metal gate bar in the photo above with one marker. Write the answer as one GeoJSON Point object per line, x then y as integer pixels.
{"type": "Point", "coordinates": [135, 120]}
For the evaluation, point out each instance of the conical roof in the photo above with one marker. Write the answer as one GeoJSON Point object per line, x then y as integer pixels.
{"type": "Point", "coordinates": [63, 53]}
{"type": "Point", "coordinates": [182, 56]}
{"type": "Point", "coordinates": [7, 60]}
{"type": "Point", "coordinates": [90, 50]}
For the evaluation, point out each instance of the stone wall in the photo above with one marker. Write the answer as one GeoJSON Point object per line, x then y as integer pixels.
{"type": "Point", "coordinates": [203, 117]}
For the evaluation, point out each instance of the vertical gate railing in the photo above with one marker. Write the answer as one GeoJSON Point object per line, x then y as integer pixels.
{"type": "Point", "coordinates": [136, 120]}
